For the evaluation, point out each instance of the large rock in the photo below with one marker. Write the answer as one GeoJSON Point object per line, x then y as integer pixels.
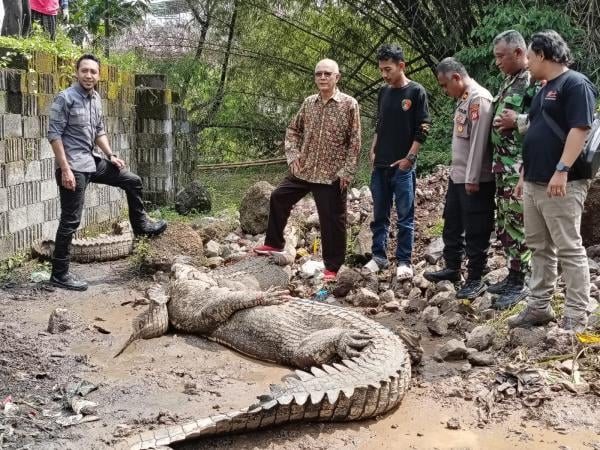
{"type": "Point", "coordinates": [364, 240]}
{"type": "Point", "coordinates": [62, 320]}
{"type": "Point", "coordinates": [590, 227]}
{"type": "Point", "coordinates": [193, 197]}
{"type": "Point", "coordinates": [365, 298]}
{"type": "Point", "coordinates": [347, 279]}
{"type": "Point", "coordinates": [451, 351]}
{"type": "Point", "coordinates": [481, 337]}
{"type": "Point", "coordinates": [215, 228]}
{"type": "Point", "coordinates": [254, 209]}
{"type": "Point", "coordinates": [433, 252]}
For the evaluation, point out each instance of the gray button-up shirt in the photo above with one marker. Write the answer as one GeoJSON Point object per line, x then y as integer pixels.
{"type": "Point", "coordinates": [76, 119]}
{"type": "Point", "coordinates": [471, 150]}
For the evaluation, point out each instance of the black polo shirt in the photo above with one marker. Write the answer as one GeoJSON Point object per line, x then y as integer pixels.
{"type": "Point", "coordinates": [570, 99]}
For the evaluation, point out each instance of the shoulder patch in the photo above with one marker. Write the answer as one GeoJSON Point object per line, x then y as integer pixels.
{"type": "Point", "coordinates": [406, 104]}
{"type": "Point", "coordinates": [465, 96]}
{"type": "Point", "coordinates": [474, 111]}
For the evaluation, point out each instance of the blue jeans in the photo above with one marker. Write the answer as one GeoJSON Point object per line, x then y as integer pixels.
{"type": "Point", "coordinates": [387, 184]}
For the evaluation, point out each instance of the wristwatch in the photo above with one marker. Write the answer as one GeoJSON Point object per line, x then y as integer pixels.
{"type": "Point", "coordinates": [411, 157]}
{"type": "Point", "coordinates": [562, 167]}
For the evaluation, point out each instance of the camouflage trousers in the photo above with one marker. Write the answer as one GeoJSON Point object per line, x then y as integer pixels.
{"type": "Point", "coordinates": [509, 222]}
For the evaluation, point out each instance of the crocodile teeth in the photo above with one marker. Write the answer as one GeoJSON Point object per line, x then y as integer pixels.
{"type": "Point", "coordinates": [330, 370]}
{"type": "Point", "coordinates": [318, 372]}
{"type": "Point", "coordinates": [285, 399]}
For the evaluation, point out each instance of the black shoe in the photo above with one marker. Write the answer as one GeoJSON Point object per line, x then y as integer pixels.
{"type": "Point", "coordinates": [67, 281]}
{"type": "Point", "coordinates": [514, 291]}
{"type": "Point", "coordinates": [151, 229]}
{"type": "Point", "coordinates": [499, 287]}
{"type": "Point", "coordinates": [452, 275]}
{"type": "Point", "coordinates": [472, 289]}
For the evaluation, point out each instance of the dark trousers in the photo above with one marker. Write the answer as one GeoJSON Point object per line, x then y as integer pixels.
{"type": "Point", "coordinates": [47, 22]}
{"type": "Point", "coordinates": [331, 207]}
{"type": "Point", "coordinates": [17, 18]}
{"type": "Point", "coordinates": [71, 205]}
{"type": "Point", "coordinates": [468, 225]}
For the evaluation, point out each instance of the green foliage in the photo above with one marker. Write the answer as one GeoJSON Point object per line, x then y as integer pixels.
{"type": "Point", "coordinates": [87, 17]}
{"type": "Point", "coordinates": [141, 253]}
{"type": "Point", "coordinates": [437, 147]}
{"type": "Point", "coordinates": [170, 215]}
{"type": "Point", "coordinates": [523, 17]}
{"type": "Point", "coordinates": [436, 229]}
{"type": "Point", "coordinates": [8, 266]}
{"type": "Point", "coordinates": [38, 42]}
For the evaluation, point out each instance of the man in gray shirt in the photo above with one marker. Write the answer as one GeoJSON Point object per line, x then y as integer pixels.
{"type": "Point", "coordinates": [75, 127]}
{"type": "Point", "coordinates": [469, 208]}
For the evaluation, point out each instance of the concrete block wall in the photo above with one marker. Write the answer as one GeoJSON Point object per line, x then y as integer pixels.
{"type": "Point", "coordinates": [149, 136]}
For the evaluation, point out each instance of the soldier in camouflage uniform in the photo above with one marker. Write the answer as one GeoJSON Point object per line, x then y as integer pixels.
{"type": "Point", "coordinates": [511, 105]}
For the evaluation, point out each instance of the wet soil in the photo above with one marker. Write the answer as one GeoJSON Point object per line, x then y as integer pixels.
{"type": "Point", "coordinates": [178, 377]}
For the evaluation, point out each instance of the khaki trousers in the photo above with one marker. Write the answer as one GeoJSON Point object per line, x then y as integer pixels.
{"type": "Point", "coordinates": [552, 232]}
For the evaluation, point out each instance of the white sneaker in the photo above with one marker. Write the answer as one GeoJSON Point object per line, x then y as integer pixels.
{"type": "Point", "coordinates": [404, 272]}
{"type": "Point", "coordinates": [372, 266]}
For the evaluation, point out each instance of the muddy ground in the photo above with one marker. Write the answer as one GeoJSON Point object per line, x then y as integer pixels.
{"type": "Point", "coordinates": [177, 377]}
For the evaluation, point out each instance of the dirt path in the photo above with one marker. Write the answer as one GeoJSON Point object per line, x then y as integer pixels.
{"type": "Point", "coordinates": [176, 377]}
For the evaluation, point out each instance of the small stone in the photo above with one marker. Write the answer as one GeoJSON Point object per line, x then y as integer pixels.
{"type": "Point", "coordinates": [527, 337]}
{"type": "Point", "coordinates": [430, 314]}
{"type": "Point", "coordinates": [446, 286]}
{"type": "Point", "coordinates": [415, 293]}
{"type": "Point", "coordinates": [433, 252]}
{"type": "Point", "coordinates": [214, 262]}
{"type": "Point", "coordinates": [420, 282]}
{"type": "Point", "coordinates": [62, 319]}
{"type": "Point", "coordinates": [441, 297]}
{"type": "Point", "coordinates": [392, 306]}
{"type": "Point", "coordinates": [481, 359]}
{"type": "Point", "coordinates": [497, 275]}
{"type": "Point", "coordinates": [212, 249]}
{"type": "Point", "coordinates": [416, 305]}
{"type": "Point", "coordinates": [452, 350]}
{"type": "Point", "coordinates": [453, 424]}
{"type": "Point", "coordinates": [353, 217]}
{"type": "Point", "coordinates": [481, 337]}
{"type": "Point", "coordinates": [387, 296]}
{"type": "Point", "coordinates": [439, 327]}
{"type": "Point", "coordinates": [365, 298]}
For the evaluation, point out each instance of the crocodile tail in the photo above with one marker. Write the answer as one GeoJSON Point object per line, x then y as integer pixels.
{"type": "Point", "coordinates": [153, 322]}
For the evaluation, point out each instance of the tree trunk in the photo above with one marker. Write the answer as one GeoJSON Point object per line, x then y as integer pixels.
{"type": "Point", "coordinates": [218, 101]}
{"type": "Point", "coordinates": [17, 18]}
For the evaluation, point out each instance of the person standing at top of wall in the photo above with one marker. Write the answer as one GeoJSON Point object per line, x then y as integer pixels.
{"type": "Point", "coordinates": [44, 12]}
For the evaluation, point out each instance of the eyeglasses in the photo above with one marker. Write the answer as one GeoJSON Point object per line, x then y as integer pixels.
{"type": "Point", "coordinates": [323, 74]}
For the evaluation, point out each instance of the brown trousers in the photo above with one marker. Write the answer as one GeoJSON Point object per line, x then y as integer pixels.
{"type": "Point", "coordinates": [331, 207]}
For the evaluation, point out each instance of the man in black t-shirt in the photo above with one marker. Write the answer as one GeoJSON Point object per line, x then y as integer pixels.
{"type": "Point", "coordinates": [553, 186]}
{"type": "Point", "coordinates": [402, 126]}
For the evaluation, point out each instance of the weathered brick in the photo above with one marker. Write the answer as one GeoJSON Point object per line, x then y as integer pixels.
{"type": "Point", "coordinates": [6, 247]}
{"type": "Point", "coordinates": [24, 194]}
{"type": "Point", "coordinates": [12, 125]}
{"type": "Point", "coordinates": [27, 236]}
{"type": "Point", "coordinates": [31, 127]}
{"type": "Point", "coordinates": [3, 223]}
{"type": "Point", "coordinates": [3, 200]}
{"type": "Point", "coordinates": [14, 173]}
{"type": "Point", "coordinates": [51, 209]}
{"type": "Point", "coordinates": [17, 219]}
{"type": "Point", "coordinates": [47, 171]}
{"type": "Point", "coordinates": [33, 171]}
{"type": "Point", "coordinates": [49, 229]}
{"type": "Point", "coordinates": [35, 213]}
{"type": "Point", "coordinates": [45, 149]}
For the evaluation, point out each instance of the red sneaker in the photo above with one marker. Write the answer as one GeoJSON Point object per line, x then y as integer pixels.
{"type": "Point", "coordinates": [266, 250]}
{"type": "Point", "coordinates": [329, 275]}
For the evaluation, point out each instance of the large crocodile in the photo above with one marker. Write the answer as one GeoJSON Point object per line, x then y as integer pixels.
{"type": "Point", "coordinates": [105, 247]}
{"type": "Point", "coordinates": [354, 368]}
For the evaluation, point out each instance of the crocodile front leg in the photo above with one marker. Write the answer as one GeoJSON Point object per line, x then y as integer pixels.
{"type": "Point", "coordinates": [202, 312]}
{"type": "Point", "coordinates": [323, 346]}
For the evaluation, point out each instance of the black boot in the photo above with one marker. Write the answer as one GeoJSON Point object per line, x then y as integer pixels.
{"type": "Point", "coordinates": [452, 275]}
{"type": "Point", "coordinates": [148, 228]}
{"type": "Point", "coordinates": [62, 278]}
{"type": "Point", "coordinates": [499, 287]}
{"type": "Point", "coordinates": [472, 289]}
{"type": "Point", "coordinates": [514, 291]}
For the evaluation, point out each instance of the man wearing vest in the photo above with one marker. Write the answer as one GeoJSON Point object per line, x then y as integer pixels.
{"type": "Point", "coordinates": [553, 186]}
